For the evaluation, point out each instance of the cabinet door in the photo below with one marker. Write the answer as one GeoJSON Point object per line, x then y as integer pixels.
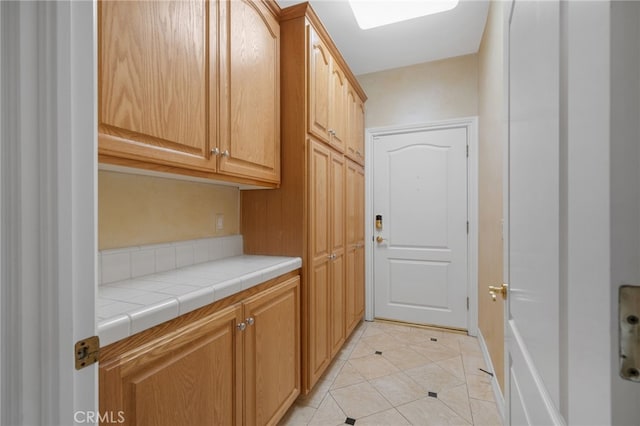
{"type": "Point", "coordinates": [337, 263]}
{"type": "Point", "coordinates": [250, 91]}
{"type": "Point", "coordinates": [318, 284]}
{"type": "Point", "coordinates": [359, 238]}
{"type": "Point", "coordinates": [338, 108]}
{"type": "Point", "coordinates": [355, 126]}
{"type": "Point", "coordinates": [359, 132]}
{"type": "Point", "coordinates": [355, 245]}
{"type": "Point", "coordinates": [319, 86]}
{"type": "Point", "coordinates": [351, 244]}
{"type": "Point", "coordinates": [192, 376]}
{"type": "Point", "coordinates": [352, 138]}
{"type": "Point", "coordinates": [272, 352]}
{"type": "Point", "coordinates": [157, 81]}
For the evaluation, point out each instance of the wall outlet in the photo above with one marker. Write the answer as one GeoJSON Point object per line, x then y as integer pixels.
{"type": "Point", "coordinates": [219, 222]}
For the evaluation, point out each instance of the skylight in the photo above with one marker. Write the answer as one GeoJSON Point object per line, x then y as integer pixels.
{"type": "Point", "coordinates": [376, 13]}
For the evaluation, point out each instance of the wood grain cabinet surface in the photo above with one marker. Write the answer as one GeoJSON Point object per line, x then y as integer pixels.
{"type": "Point", "coordinates": [308, 215]}
{"type": "Point", "coordinates": [190, 87]}
{"type": "Point", "coordinates": [327, 94]}
{"type": "Point", "coordinates": [355, 127]}
{"type": "Point", "coordinates": [354, 283]}
{"type": "Point", "coordinates": [236, 365]}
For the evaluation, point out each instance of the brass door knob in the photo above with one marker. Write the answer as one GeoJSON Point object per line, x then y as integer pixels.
{"type": "Point", "coordinates": [379, 239]}
{"type": "Point", "coordinates": [493, 291]}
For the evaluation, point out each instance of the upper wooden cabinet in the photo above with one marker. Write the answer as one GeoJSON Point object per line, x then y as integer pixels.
{"type": "Point", "coordinates": [154, 72]}
{"type": "Point", "coordinates": [327, 95]}
{"type": "Point", "coordinates": [250, 97]}
{"type": "Point", "coordinates": [319, 87]}
{"type": "Point", "coordinates": [355, 127]}
{"type": "Point", "coordinates": [190, 87]}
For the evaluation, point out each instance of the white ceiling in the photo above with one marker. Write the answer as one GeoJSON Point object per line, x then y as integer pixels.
{"type": "Point", "coordinates": [444, 35]}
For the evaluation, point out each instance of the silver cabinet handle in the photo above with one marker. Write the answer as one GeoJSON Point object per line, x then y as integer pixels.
{"type": "Point", "coordinates": [242, 326]}
{"type": "Point", "coordinates": [215, 151]}
{"type": "Point", "coordinates": [332, 256]}
{"type": "Point", "coordinates": [226, 153]}
{"type": "Point", "coordinates": [250, 321]}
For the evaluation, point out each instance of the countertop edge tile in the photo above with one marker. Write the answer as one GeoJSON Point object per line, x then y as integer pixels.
{"type": "Point", "coordinates": [150, 316]}
{"type": "Point", "coordinates": [113, 329]}
{"type": "Point", "coordinates": [195, 300]}
{"type": "Point", "coordinates": [124, 324]}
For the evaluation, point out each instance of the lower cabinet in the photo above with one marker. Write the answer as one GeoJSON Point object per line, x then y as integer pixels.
{"type": "Point", "coordinates": [237, 365]}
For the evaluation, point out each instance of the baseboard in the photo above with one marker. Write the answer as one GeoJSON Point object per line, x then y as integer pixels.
{"type": "Point", "coordinates": [497, 393]}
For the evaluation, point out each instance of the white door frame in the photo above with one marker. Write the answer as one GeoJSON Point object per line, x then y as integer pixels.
{"type": "Point", "coordinates": [48, 210]}
{"type": "Point", "coordinates": [471, 124]}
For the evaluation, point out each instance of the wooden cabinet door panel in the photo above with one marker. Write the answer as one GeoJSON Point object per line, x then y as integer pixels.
{"type": "Point", "coordinates": [190, 376]}
{"type": "Point", "coordinates": [354, 244]}
{"type": "Point", "coordinates": [319, 354]}
{"type": "Point", "coordinates": [359, 134]}
{"type": "Point", "coordinates": [337, 306]}
{"type": "Point", "coordinates": [337, 263]}
{"type": "Point", "coordinates": [351, 142]}
{"type": "Point", "coordinates": [154, 90]}
{"type": "Point", "coordinates": [272, 353]}
{"type": "Point", "coordinates": [338, 108]}
{"type": "Point", "coordinates": [250, 91]}
{"type": "Point", "coordinates": [355, 127]}
{"type": "Point", "coordinates": [319, 86]}
{"type": "Point", "coordinates": [319, 202]}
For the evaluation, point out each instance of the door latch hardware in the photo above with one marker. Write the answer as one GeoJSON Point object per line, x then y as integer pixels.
{"type": "Point", "coordinates": [502, 290]}
{"type": "Point", "coordinates": [629, 332]}
{"type": "Point", "coordinates": [87, 352]}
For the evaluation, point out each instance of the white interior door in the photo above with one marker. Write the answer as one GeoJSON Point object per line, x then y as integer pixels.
{"type": "Point", "coordinates": [420, 190]}
{"type": "Point", "coordinates": [532, 252]}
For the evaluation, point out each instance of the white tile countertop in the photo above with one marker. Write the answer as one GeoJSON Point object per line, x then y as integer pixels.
{"type": "Point", "coordinates": [128, 307]}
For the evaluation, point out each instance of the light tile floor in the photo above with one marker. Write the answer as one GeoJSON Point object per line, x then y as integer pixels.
{"type": "Point", "coordinates": [390, 374]}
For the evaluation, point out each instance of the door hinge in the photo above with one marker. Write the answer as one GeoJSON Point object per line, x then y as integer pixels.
{"type": "Point", "coordinates": [87, 352]}
{"type": "Point", "coordinates": [467, 303]}
{"type": "Point", "coordinates": [467, 151]}
{"type": "Point", "coordinates": [467, 227]}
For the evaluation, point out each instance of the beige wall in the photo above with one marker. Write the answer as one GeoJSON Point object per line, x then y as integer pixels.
{"type": "Point", "coordinates": [492, 126]}
{"type": "Point", "coordinates": [422, 93]}
{"type": "Point", "coordinates": [135, 210]}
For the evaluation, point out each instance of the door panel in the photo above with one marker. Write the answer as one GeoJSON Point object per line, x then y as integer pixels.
{"type": "Point", "coordinates": [319, 86]}
{"type": "Point", "coordinates": [153, 82]}
{"type": "Point", "coordinates": [272, 352]}
{"type": "Point", "coordinates": [420, 189]}
{"type": "Point", "coordinates": [250, 95]}
{"type": "Point", "coordinates": [337, 264]}
{"type": "Point", "coordinates": [319, 283]}
{"type": "Point", "coordinates": [533, 237]}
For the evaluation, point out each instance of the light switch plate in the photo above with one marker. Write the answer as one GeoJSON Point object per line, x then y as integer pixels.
{"type": "Point", "coordinates": [219, 222]}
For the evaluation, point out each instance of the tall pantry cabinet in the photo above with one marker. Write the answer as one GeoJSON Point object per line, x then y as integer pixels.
{"type": "Point", "coordinates": [318, 211]}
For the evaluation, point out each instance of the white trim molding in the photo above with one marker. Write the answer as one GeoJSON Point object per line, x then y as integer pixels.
{"type": "Point", "coordinates": [471, 124]}
{"type": "Point", "coordinates": [48, 209]}
{"type": "Point", "coordinates": [495, 386]}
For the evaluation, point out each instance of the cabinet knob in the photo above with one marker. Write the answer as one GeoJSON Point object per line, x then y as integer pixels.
{"type": "Point", "coordinates": [226, 153]}
{"type": "Point", "coordinates": [250, 321]}
{"type": "Point", "coordinates": [242, 326]}
{"type": "Point", "coordinates": [215, 151]}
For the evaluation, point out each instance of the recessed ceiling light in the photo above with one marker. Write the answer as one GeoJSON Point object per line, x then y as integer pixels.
{"type": "Point", "coordinates": [376, 13]}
